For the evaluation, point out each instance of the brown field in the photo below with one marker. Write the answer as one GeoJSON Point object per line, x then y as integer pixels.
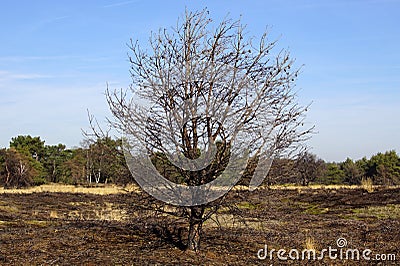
{"type": "Point", "coordinates": [66, 225]}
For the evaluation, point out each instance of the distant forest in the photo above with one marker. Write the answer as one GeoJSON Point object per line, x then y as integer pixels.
{"type": "Point", "coordinates": [30, 162]}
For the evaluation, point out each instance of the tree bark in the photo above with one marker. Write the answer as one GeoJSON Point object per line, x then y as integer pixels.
{"type": "Point", "coordinates": [195, 227]}
{"type": "Point", "coordinates": [194, 237]}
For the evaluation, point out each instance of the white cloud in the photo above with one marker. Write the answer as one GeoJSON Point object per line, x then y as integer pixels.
{"type": "Point", "coordinates": [121, 3]}
{"type": "Point", "coordinates": [6, 76]}
{"type": "Point", "coordinates": [38, 58]}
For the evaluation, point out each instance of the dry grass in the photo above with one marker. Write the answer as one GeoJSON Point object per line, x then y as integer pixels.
{"type": "Point", "coordinates": [10, 209]}
{"type": "Point", "coordinates": [111, 215]}
{"type": "Point", "coordinates": [310, 243]}
{"type": "Point", "coordinates": [37, 223]}
{"type": "Point", "coordinates": [229, 221]}
{"type": "Point", "coordinates": [318, 187]}
{"type": "Point", "coordinates": [103, 190]}
{"type": "Point", "coordinates": [113, 189]}
{"type": "Point", "coordinates": [91, 211]}
{"type": "Point", "coordinates": [6, 207]}
{"type": "Point", "coordinates": [54, 214]}
{"type": "Point", "coordinates": [390, 211]}
{"type": "Point", "coordinates": [300, 188]}
{"type": "Point", "coordinates": [367, 184]}
{"type": "Point", "coordinates": [314, 186]}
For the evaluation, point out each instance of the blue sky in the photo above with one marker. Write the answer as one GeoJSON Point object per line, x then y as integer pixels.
{"type": "Point", "coordinates": [57, 56]}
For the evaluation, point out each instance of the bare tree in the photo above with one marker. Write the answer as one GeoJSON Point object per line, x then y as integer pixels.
{"type": "Point", "coordinates": [18, 171]}
{"type": "Point", "coordinates": [308, 167]}
{"type": "Point", "coordinates": [282, 171]}
{"type": "Point", "coordinates": [203, 95]}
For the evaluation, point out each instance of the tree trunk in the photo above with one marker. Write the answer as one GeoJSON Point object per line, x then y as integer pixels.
{"type": "Point", "coordinates": [194, 237]}
{"type": "Point", "coordinates": [53, 174]}
{"type": "Point", "coordinates": [195, 227]}
{"type": "Point", "coordinates": [305, 181]}
{"type": "Point", "coordinates": [8, 176]}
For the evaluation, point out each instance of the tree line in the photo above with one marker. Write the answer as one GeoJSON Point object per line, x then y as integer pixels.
{"type": "Point", "coordinates": [29, 161]}
{"type": "Point", "coordinates": [307, 168]}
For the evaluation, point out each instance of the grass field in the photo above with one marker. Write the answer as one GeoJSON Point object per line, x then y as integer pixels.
{"type": "Point", "coordinates": [54, 188]}
{"type": "Point", "coordinates": [66, 225]}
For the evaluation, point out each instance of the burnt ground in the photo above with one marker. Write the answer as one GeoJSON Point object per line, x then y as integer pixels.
{"type": "Point", "coordinates": [87, 229]}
